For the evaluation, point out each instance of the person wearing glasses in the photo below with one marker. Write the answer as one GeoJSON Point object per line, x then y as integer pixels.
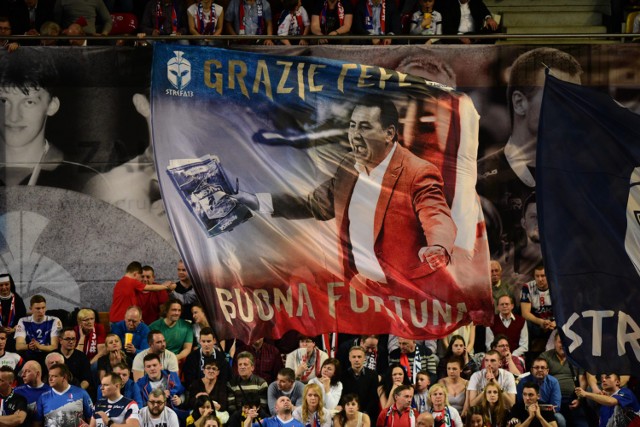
{"type": "Point", "coordinates": [508, 361]}
{"type": "Point", "coordinates": [133, 332]}
{"type": "Point", "coordinates": [91, 336]}
{"type": "Point", "coordinates": [75, 359]}
{"type": "Point", "coordinates": [196, 362]}
{"type": "Point", "coordinates": [156, 414]}
{"type": "Point", "coordinates": [114, 410]}
{"type": "Point", "coordinates": [549, 387]}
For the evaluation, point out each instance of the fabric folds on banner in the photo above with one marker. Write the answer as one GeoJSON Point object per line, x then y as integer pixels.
{"type": "Point", "coordinates": [588, 169]}
{"type": "Point", "coordinates": [297, 206]}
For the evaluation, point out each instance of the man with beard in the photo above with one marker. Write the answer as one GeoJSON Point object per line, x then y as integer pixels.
{"type": "Point", "coordinates": [156, 414]}
{"type": "Point", "coordinates": [283, 417]}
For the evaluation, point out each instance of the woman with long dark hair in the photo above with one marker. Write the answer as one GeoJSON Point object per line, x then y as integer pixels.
{"type": "Point", "coordinates": [458, 347]}
{"type": "Point", "coordinates": [350, 415]}
{"type": "Point", "coordinates": [329, 382]}
{"type": "Point", "coordinates": [394, 377]}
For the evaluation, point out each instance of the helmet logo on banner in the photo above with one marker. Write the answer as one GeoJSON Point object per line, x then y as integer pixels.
{"type": "Point", "coordinates": [179, 71]}
{"type": "Point", "coordinates": [632, 237]}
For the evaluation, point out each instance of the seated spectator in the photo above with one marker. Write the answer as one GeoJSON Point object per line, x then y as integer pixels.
{"type": "Point", "coordinates": [91, 336]}
{"type": "Point", "coordinates": [468, 332]}
{"type": "Point", "coordinates": [54, 358]}
{"type": "Point", "coordinates": [5, 30]}
{"type": "Point", "coordinates": [177, 332]}
{"type": "Point", "coordinates": [456, 385]}
{"type": "Point", "coordinates": [528, 412]}
{"type": "Point", "coordinates": [27, 16]}
{"type": "Point", "coordinates": [113, 407]}
{"type": "Point", "coordinates": [203, 406]}
{"type": "Point", "coordinates": [476, 418]}
{"type": "Point", "coordinates": [492, 373]}
{"type": "Point", "coordinates": [377, 18]}
{"type": "Point", "coordinates": [465, 17]}
{"type": "Point", "coordinates": [636, 25]}
{"type": "Point", "coordinates": [548, 387]}
{"type": "Point", "coordinates": [32, 386]}
{"type": "Point", "coordinates": [156, 377]}
{"type": "Point", "coordinates": [199, 323]}
{"type": "Point", "coordinates": [440, 408]}
{"type": "Point", "coordinates": [283, 416]}
{"type": "Point", "coordinates": [512, 326]}
{"type": "Point", "coordinates": [376, 352]}
{"type": "Point", "coordinates": [157, 346]}
{"type": "Point", "coordinates": [37, 334]}
{"type": "Point", "coordinates": [193, 368]}
{"type": "Point", "coordinates": [212, 387]}
{"type": "Point", "coordinates": [115, 356]}
{"type": "Point", "coordinates": [421, 392]}
{"type": "Point", "coordinates": [312, 412]}
{"type": "Point", "coordinates": [211, 421]}
{"type": "Point", "coordinates": [425, 21]}
{"type": "Point", "coordinates": [156, 413]}
{"type": "Point", "coordinates": [76, 360]}
{"type": "Point", "coordinates": [205, 19]}
{"type": "Point", "coordinates": [614, 398]}
{"type": "Point", "coordinates": [14, 406]}
{"type": "Point", "coordinates": [284, 385]}
{"type": "Point", "coordinates": [414, 357]}
{"type": "Point", "coordinates": [331, 18]}
{"type": "Point", "coordinates": [63, 401]}
{"type": "Point", "coordinates": [85, 13]}
{"type": "Point", "coordinates": [7, 358]}
{"type": "Point", "coordinates": [245, 385]}
{"type": "Point", "coordinates": [238, 418]}
{"type": "Point", "coordinates": [294, 21]}
{"type": "Point", "coordinates": [350, 413]}
{"type": "Point", "coordinates": [458, 348]}
{"type": "Point", "coordinates": [249, 17]}
{"type": "Point", "coordinates": [11, 309]}
{"type": "Point", "coordinates": [392, 379]}
{"type": "Point", "coordinates": [75, 30]}
{"type": "Point", "coordinates": [493, 404]}
{"type": "Point", "coordinates": [329, 382]}
{"type": "Point", "coordinates": [508, 362]}
{"type": "Point", "coordinates": [400, 414]}
{"type": "Point", "coordinates": [132, 331]}
{"type": "Point", "coordinates": [130, 390]}
{"type": "Point", "coordinates": [306, 360]}
{"type": "Point", "coordinates": [150, 302]}
{"type": "Point", "coordinates": [268, 360]}
{"type": "Point", "coordinates": [51, 29]}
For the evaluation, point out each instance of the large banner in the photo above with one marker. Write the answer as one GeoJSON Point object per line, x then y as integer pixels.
{"type": "Point", "coordinates": [319, 195]}
{"type": "Point", "coordinates": [589, 204]}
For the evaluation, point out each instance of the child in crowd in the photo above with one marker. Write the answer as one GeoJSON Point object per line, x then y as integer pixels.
{"type": "Point", "coordinates": [426, 21]}
{"type": "Point", "coordinates": [294, 21]}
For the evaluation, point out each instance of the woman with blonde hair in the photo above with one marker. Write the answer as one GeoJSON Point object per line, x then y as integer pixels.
{"type": "Point", "coordinates": [114, 356]}
{"type": "Point", "coordinates": [91, 337]}
{"type": "Point", "coordinates": [312, 413]}
{"type": "Point", "coordinates": [444, 414]}
{"type": "Point", "coordinates": [493, 405]}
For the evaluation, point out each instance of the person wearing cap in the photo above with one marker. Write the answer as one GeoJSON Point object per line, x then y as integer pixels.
{"type": "Point", "coordinates": [11, 309]}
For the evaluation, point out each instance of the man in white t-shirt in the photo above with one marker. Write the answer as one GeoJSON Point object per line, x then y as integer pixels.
{"type": "Point", "coordinates": [492, 373]}
{"type": "Point", "coordinates": [156, 414]}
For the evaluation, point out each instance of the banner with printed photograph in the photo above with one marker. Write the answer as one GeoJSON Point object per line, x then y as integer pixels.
{"type": "Point", "coordinates": [320, 195]}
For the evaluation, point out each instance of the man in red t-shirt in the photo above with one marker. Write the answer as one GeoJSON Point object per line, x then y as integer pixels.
{"type": "Point", "coordinates": [125, 291]}
{"type": "Point", "coordinates": [150, 302]}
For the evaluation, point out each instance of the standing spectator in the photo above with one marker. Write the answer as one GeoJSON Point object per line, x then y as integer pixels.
{"type": "Point", "coordinates": [329, 382]}
{"type": "Point", "coordinates": [158, 346]}
{"type": "Point", "coordinates": [400, 414]}
{"type": "Point", "coordinates": [205, 18]}
{"type": "Point", "coordinates": [499, 287]}
{"type": "Point", "coordinates": [177, 332]}
{"type": "Point", "coordinates": [11, 309]}
{"type": "Point", "coordinates": [284, 385]}
{"type": "Point", "coordinates": [331, 18]}
{"type": "Point", "coordinates": [150, 302]}
{"type": "Point", "coordinates": [130, 390]}
{"type": "Point", "coordinates": [27, 16]}
{"type": "Point", "coordinates": [377, 18]}
{"type": "Point", "coordinates": [294, 21]}
{"type": "Point", "coordinates": [14, 406]}
{"type": "Point", "coordinates": [126, 290]}
{"type": "Point", "coordinates": [465, 17]}
{"type": "Point", "coordinates": [7, 358]}
{"type": "Point", "coordinates": [537, 309]}
{"type": "Point", "coordinates": [63, 401]}
{"type": "Point", "coordinates": [156, 413]}
{"type": "Point", "coordinates": [67, 12]}
{"type": "Point", "coordinates": [5, 30]}
{"type": "Point", "coordinates": [75, 359]}
{"type": "Point", "coordinates": [37, 334]}
{"type": "Point", "coordinates": [193, 368]}
{"type": "Point", "coordinates": [32, 386]}
{"type": "Point", "coordinates": [184, 291]}
{"type": "Point", "coordinates": [163, 18]}
{"type": "Point", "coordinates": [614, 400]}
{"type": "Point", "coordinates": [249, 17]}
{"type": "Point", "coordinates": [113, 408]}
{"type": "Point", "coordinates": [132, 331]}
{"type": "Point", "coordinates": [246, 384]}
{"type": "Point", "coordinates": [306, 360]}
{"type": "Point", "coordinates": [91, 337]}
{"type": "Point", "coordinates": [156, 377]}
{"type": "Point", "coordinates": [513, 326]}
{"type": "Point", "coordinates": [361, 381]}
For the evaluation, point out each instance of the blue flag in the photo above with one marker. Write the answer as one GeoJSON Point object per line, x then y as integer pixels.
{"type": "Point", "coordinates": [588, 171]}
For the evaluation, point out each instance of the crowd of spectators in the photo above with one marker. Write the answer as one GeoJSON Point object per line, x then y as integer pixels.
{"type": "Point", "coordinates": [73, 370]}
{"type": "Point", "coordinates": [285, 18]}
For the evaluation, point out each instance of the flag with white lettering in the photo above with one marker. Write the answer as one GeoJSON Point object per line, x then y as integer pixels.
{"type": "Point", "coordinates": [588, 180]}
{"type": "Point", "coordinates": [318, 195]}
